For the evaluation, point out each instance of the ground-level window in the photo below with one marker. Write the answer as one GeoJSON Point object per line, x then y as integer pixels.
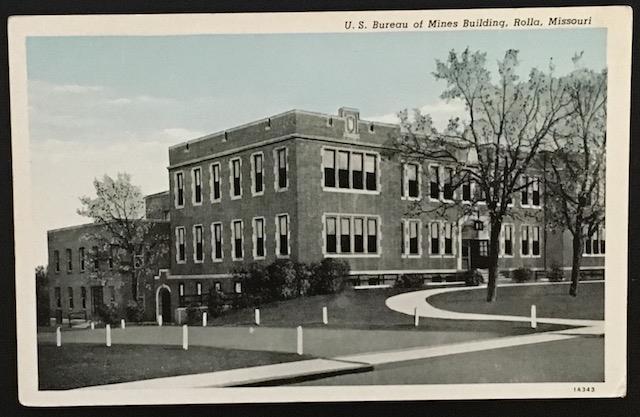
{"type": "Point", "coordinates": [216, 237]}
{"type": "Point", "coordinates": [594, 244]}
{"type": "Point", "coordinates": [237, 287]}
{"type": "Point", "coordinates": [535, 240]}
{"type": "Point", "coordinates": [70, 297]}
{"type": "Point", "coordinates": [236, 229]}
{"type": "Point", "coordinates": [524, 238]}
{"type": "Point", "coordinates": [282, 234]}
{"type": "Point", "coordinates": [448, 239]}
{"type": "Point", "coordinates": [217, 286]}
{"type": "Point", "coordinates": [435, 238]}
{"type": "Point", "coordinates": [346, 234]}
{"type": "Point", "coordinates": [411, 233]}
{"type": "Point", "coordinates": [507, 236]}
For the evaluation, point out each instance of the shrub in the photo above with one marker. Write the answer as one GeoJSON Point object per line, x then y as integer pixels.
{"type": "Point", "coordinates": [109, 314]}
{"type": "Point", "coordinates": [409, 281]}
{"type": "Point", "coordinates": [303, 278]}
{"type": "Point", "coordinates": [282, 280]}
{"type": "Point", "coordinates": [555, 273]}
{"type": "Point", "coordinates": [215, 304]}
{"type": "Point", "coordinates": [471, 277]}
{"type": "Point", "coordinates": [256, 288]}
{"type": "Point", "coordinates": [522, 275]}
{"type": "Point", "coordinates": [134, 311]}
{"type": "Point", "coordinates": [328, 276]}
{"type": "Point", "coordinates": [194, 314]}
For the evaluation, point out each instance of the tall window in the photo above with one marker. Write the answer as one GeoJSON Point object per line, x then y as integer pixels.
{"type": "Point", "coordinates": [331, 235]}
{"type": "Point", "coordinates": [198, 251]}
{"type": "Point", "coordinates": [258, 235]}
{"type": "Point", "coordinates": [69, 260]}
{"type": "Point", "coordinates": [413, 186]}
{"type": "Point", "coordinates": [197, 185]}
{"type": "Point", "coordinates": [83, 296]}
{"type": "Point", "coordinates": [434, 182]}
{"type": "Point", "coordinates": [587, 242]}
{"type": "Point", "coordinates": [358, 235]}
{"type": "Point", "coordinates": [343, 169]}
{"type": "Point", "coordinates": [282, 222]}
{"type": "Point", "coordinates": [466, 191]}
{"type": "Point", "coordinates": [535, 192]}
{"type": "Point", "coordinates": [236, 178]}
{"type": "Point", "coordinates": [112, 256]}
{"type": "Point", "coordinates": [413, 242]}
{"type": "Point", "coordinates": [96, 259]}
{"type": "Point", "coordinates": [435, 238]}
{"type": "Point", "coordinates": [370, 172]}
{"type": "Point", "coordinates": [237, 287]}
{"type": "Point", "coordinates": [535, 240]}
{"type": "Point", "coordinates": [258, 174]}
{"type": "Point", "coordinates": [345, 235]}
{"type": "Point", "coordinates": [180, 245]}
{"type": "Point", "coordinates": [282, 168]}
{"type": "Point", "coordinates": [70, 297]}
{"type": "Point", "coordinates": [448, 183]}
{"type": "Point", "coordinates": [357, 173]}
{"type": "Point", "coordinates": [508, 239]}
{"type": "Point", "coordinates": [58, 297]}
{"type": "Point", "coordinates": [524, 240]}
{"type": "Point", "coordinates": [179, 187]}
{"type": "Point", "coordinates": [217, 285]}
{"type": "Point", "coordinates": [524, 192]}
{"type": "Point", "coordinates": [215, 182]}
{"type": "Point", "coordinates": [56, 260]}
{"type": "Point", "coordinates": [372, 235]}
{"type": "Point", "coordinates": [329, 164]}
{"type": "Point", "coordinates": [216, 240]}
{"type": "Point", "coordinates": [198, 288]}
{"type": "Point", "coordinates": [181, 289]}
{"type": "Point", "coordinates": [236, 228]}
{"type": "Point", "coordinates": [602, 240]}
{"type": "Point", "coordinates": [448, 239]}
{"type": "Point", "coordinates": [81, 258]}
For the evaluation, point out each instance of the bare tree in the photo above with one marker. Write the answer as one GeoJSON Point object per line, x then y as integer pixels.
{"type": "Point", "coordinates": [125, 241]}
{"type": "Point", "coordinates": [495, 143]}
{"type": "Point", "coordinates": [576, 163]}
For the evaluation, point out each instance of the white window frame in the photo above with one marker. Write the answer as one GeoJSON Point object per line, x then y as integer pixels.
{"type": "Point", "coordinates": [254, 193]}
{"type": "Point", "coordinates": [536, 183]}
{"type": "Point", "coordinates": [437, 224]}
{"type": "Point", "coordinates": [503, 239]}
{"type": "Point", "coordinates": [352, 254]}
{"type": "Point", "coordinates": [530, 251]}
{"type": "Point", "coordinates": [193, 186]}
{"type": "Point", "coordinates": [214, 244]}
{"type": "Point", "coordinates": [351, 190]}
{"type": "Point", "coordinates": [405, 181]}
{"type": "Point", "coordinates": [600, 234]}
{"type": "Point", "coordinates": [454, 246]}
{"type": "Point", "coordinates": [195, 260]}
{"type": "Point", "coordinates": [176, 188]}
{"type": "Point", "coordinates": [212, 182]}
{"type": "Point", "coordinates": [184, 235]}
{"type": "Point", "coordinates": [440, 185]}
{"type": "Point", "coordinates": [276, 171]}
{"type": "Point", "coordinates": [532, 227]}
{"type": "Point", "coordinates": [231, 178]}
{"type": "Point", "coordinates": [406, 227]}
{"type": "Point", "coordinates": [233, 239]}
{"type": "Point", "coordinates": [277, 219]}
{"type": "Point", "coordinates": [254, 237]}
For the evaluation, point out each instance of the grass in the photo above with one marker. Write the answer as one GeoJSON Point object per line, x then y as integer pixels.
{"type": "Point", "coordinates": [81, 365]}
{"type": "Point", "coordinates": [550, 301]}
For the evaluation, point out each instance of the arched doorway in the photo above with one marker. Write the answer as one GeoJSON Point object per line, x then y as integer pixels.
{"type": "Point", "coordinates": [163, 303]}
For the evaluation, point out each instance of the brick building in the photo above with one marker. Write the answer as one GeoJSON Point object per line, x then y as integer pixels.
{"type": "Point", "coordinates": [306, 186]}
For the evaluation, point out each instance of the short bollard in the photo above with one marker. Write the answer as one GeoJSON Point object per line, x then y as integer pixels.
{"type": "Point", "coordinates": [534, 321]}
{"type": "Point", "coordinates": [58, 337]}
{"type": "Point", "coordinates": [93, 325]}
{"type": "Point", "coordinates": [108, 333]}
{"type": "Point", "coordinates": [416, 317]}
{"type": "Point", "coordinates": [257, 317]}
{"type": "Point", "coordinates": [160, 320]}
{"type": "Point", "coordinates": [185, 337]}
{"type": "Point", "coordinates": [204, 319]}
{"type": "Point", "coordinates": [122, 323]}
{"type": "Point", "coordinates": [325, 315]}
{"type": "Point", "coordinates": [299, 341]}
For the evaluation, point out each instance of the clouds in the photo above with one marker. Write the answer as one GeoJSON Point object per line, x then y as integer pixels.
{"type": "Point", "coordinates": [440, 110]}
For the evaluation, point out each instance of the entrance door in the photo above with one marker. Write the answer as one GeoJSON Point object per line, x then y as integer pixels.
{"type": "Point", "coordinates": [165, 299]}
{"type": "Point", "coordinates": [97, 299]}
{"type": "Point", "coordinates": [479, 251]}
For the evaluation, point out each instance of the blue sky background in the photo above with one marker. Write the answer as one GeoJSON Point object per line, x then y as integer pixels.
{"type": "Point", "coordinates": [109, 104]}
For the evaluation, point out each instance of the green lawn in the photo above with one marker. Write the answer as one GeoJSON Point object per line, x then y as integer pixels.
{"type": "Point", "coordinates": [550, 301]}
{"type": "Point", "coordinates": [81, 365]}
{"type": "Point", "coordinates": [359, 309]}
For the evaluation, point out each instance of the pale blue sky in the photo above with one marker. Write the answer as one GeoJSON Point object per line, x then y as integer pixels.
{"type": "Point", "coordinates": [107, 104]}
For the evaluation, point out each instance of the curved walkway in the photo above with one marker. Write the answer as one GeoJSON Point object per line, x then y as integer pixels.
{"type": "Point", "coordinates": [417, 301]}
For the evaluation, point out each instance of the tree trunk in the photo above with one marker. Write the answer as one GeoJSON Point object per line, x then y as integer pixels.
{"type": "Point", "coordinates": [575, 263]}
{"type": "Point", "coordinates": [494, 245]}
{"type": "Point", "coordinates": [134, 286]}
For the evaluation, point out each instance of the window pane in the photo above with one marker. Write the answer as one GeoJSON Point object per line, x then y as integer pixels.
{"type": "Point", "coordinates": [329, 158]}
{"type": "Point", "coordinates": [258, 163]}
{"type": "Point", "coordinates": [343, 169]}
{"type": "Point", "coordinates": [283, 225]}
{"type": "Point", "coordinates": [370, 169]}
{"type": "Point", "coordinates": [372, 236]}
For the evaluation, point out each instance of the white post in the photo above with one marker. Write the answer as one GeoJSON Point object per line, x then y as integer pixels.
{"type": "Point", "coordinates": [185, 337]}
{"type": "Point", "coordinates": [58, 337]}
{"type": "Point", "coordinates": [534, 322]}
{"type": "Point", "coordinates": [416, 317]}
{"type": "Point", "coordinates": [204, 319]}
{"type": "Point", "coordinates": [325, 315]}
{"type": "Point", "coordinates": [160, 320]}
{"type": "Point", "coordinates": [108, 330]}
{"type": "Point", "coordinates": [299, 344]}
{"type": "Point", "coordinates": [93, 325]}
{"type": "Point", "coordinates": [122, 323]}
{"type": "Point", "coordinates": [257, 317]}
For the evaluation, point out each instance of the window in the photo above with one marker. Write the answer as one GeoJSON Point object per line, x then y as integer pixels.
{"type": "Point", "coordinates": [372, 236]}
{"type": "Point", "coordinates": [198, 251]}
{"type": "Point", "coordinates": [281, 165]}
{"type": "Point", "coordinates": [70, 297]}
{"type": "Point", "coordinates": [435, 238]}
{"type": "Point", "coordinates": [81, 258]}
{"type": "Point", "coordinates": [329, 166]}
{"type": "Point", "coordinates": [595, 244]}
{"type": "Point", "coordinates": [96, 259]}
{"type": "Point", "coordinates": [198, 288]}
{"type": "Point", "coordinates": [237, 287]}
{"type": "Point", "coordinates": [434, 182]}
{"type": "Point", "coordinates": [412, 238]}
{"type": "Point", "coordinates": [179, 187]}
{"type": "Point", "coordinates": [413, 184]}
{"type": "Point", "coordinates": [466, 191]}
{"type": "Point", "coordinates": [258, 236]}
{"type": "Point", "coordinates": [525, 240]}
{"type": "Point", "coordinates": [535, 240]}
{"type": "Point", "coordinates": [196, 188]}
{"type": "Point", "coordinates": [69, 261]}
{"type": "Point", "coordinates": [483, 248]}
{"type": "Point", "coordinates": [181, 289]}
{"type": "Point", "coordinates": [83, 296]}
{"type": "Point", "coordinates": [236, 229]}
{"type": "Point", "coordinates": [330, 235]}
{"type": "Point", "coordinates": [257, 170]}
{"type": "Point", "coordinates": [602, 241]}
{"type": "Point", "coordinates": [217, 286]}
{"type": "Point", "coordinates": [345, 235]}
{"type": "Point", "coordinates": [524, 192]}
{"type": "Point", "coordinates": [180, 245]}
{"type": "Point", "coordinates": [448, 184]}
{"type": "Point", "coordinates": [282, 226]}
{"type": "Point", "coordinates": [215, 182]}
{"type": "Point", "coordinates": [357, 173]}
{"type": "Point", "coordinates": [535, 193]}
{"type": "Point", "coordinates": [343, 169]}
{"type": "Point", "coordinates": [507, 236]}
{"type": "Point", "coordinates": [236, 178]}
{"type": "Point", "coordinates": [58, 297]}
{"type": "Point", "coordinates": [216, 237]}
{"type": "Point", "coordinates": [358, 235]}
{"type": "Point", "coordinates": [113, 253]}
{"type": "Point", "coordinates": [56, 260]}
{"type": "Point", "coordinates": [370, 172]}
{"type": "Point", "coordinates": [587, 241]}
{"type": "Point", "coordinates": [448, 239]}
